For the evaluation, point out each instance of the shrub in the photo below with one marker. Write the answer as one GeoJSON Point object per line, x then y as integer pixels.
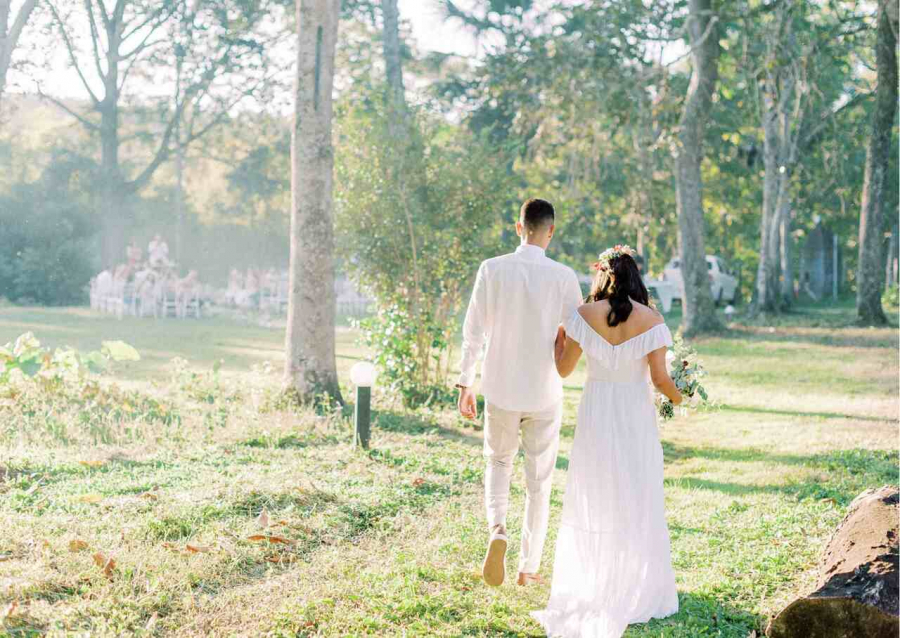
{"type": "Point", "coordinates": [418, 206]}
{"type": "Point", "coordinates": [891, 296]}
{"type": "Point", "coordinates": [45, 247]}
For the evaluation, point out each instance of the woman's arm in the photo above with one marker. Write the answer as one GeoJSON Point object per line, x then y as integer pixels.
{"type": "Point", "coordinates": [566, 352]}
{"type": "Point", "coordinates": [660, 376]}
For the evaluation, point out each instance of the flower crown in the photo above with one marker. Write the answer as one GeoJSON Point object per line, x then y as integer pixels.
{"type": "Point", "coordinates": [609, 254]}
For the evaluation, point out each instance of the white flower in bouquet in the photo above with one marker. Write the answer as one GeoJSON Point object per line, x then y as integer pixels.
{"type": "Point", "coordinates": [686, 371]}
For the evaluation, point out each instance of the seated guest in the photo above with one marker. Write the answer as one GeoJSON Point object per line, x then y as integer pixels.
{"type": "Point", "coordinates": [158, 252]}
{"type": "Point", "coordinates": [134, 254]}
{"type": "Point", "coordinates": [235, 287]}
{"type": "Point", "coordinates": [185, 291]}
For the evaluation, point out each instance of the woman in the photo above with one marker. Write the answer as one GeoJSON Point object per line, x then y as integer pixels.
{"type": "Point", "coordinates": [613, 565]}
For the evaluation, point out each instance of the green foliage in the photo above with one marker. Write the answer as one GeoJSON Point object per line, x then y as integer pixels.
{"type": "Point", "coordinates": [394, 338]}
{"type": "Point", "coordinates": [891, 296]}
{"type": "Point", "coordinates": [45, 247]}
{"type": "Point", "coordinates": [419, 204]}
{"type": "Point", "coordinates": [38, 386]}
{"type": "Point", "coordinates": [686, 371]}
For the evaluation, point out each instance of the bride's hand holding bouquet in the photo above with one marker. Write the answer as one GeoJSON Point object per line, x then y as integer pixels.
{"type": "Point", "coordinates": [686, 370]}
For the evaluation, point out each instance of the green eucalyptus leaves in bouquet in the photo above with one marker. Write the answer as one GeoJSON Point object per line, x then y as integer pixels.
{"type": "Point", "coordinates": [686, 371]}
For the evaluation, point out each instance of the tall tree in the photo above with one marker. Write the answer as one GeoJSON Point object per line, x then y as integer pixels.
{"type": "Point", "coordinates": [137, 38]}
{"type": "Point", "coordinates": [9, 35]}
{"type": "Point", "coordinates": [393, 63]}
{"type": "Point", "coordinates": [798, 54]}
{"type": "Point", "coordinates": [310, 367]}
{"type": "Point", "coordinates": [869, 277]}
{"type": "Point", "coordinates": [699, 308]}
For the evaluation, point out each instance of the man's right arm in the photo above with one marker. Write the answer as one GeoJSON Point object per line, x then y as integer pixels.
{"type": "Point", "coordinates": [475, 329]}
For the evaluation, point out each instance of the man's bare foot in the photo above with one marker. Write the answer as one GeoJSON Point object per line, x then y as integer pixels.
{"type": "Point", "coordinates": [494, 567]}
{"type": "Point", "coordinates": [530, 579]}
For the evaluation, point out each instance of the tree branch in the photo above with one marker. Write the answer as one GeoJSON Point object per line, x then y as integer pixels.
{"type": "Point", "coordinates": [86, 122]}
{"type": "Point", "coordinates": [19, 24]}
{"type": "Point", "coordinates": [95, 37]}
{"type": "Point", "coordinates": [808, 140]}
{"type": "Point", "coordinates": [71, 50]}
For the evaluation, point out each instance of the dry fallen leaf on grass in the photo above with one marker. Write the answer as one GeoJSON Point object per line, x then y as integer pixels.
{"type": "Point", "coordinates": [108, 565]}
{"type": "Point", "coordinates": [10, 610]}
{"type": "Point", "coordinates": [271, 539]}
{"type": "Point", "coordinates": [281, 558]}
{"type": "Point", "coordinates": [418, 482]}
{"type": "Point", "coordinates": [77, 545]}
{"type": "Point", "coordinates": [151, 623]}
{"type": "Point", "coordinates": [93, 464]}
{"type": "Point", "coordinates": [263, 518]}
{"type": "Point", "coordinates": [89, 498]}
{"type": "Point", "coordinates": [197, 549]}
{"type": "Point", "coordinates": [150, 496]}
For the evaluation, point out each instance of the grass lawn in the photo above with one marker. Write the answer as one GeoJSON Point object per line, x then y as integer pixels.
{"type": "Point", "coordinates": [226, 512]}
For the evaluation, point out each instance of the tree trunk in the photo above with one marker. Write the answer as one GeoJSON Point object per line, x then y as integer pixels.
{"type": "Point", "coordinates": [890, 267]}
{"type": "Point", "coordinates": [393, 63]}
{"type": "Point", "coordinates": [9, 37]}
{"type": "Point", "coordinates": [310, 366]}
{"type": "Point", "coordinates": [699, 309]}
{"type": "Point", "coordinates": [786, 253]}
{"type": "Point", "coordinates": [773, 194]}
{"type": "Point", "coordinates": [112, 187]}
{"type": "Point", "coordinates": [871, 219]}
{"type": "Point", "coordinates": [856, 594]}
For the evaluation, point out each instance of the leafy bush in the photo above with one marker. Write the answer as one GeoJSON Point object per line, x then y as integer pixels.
{"type": "Point", "coordinates": [891, 296]}
{"type": "Point", "coordinates": [45, 247]}
{"type": "Point", "coordinates": [394, 338]}
{"type": "Point", "coordinates": [51, 391]}
{"type": "Point", "coordinates": [418, 206]}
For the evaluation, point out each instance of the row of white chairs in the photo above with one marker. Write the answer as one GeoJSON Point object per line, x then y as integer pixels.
{"type": "Point", "coordinates": [148, 294]}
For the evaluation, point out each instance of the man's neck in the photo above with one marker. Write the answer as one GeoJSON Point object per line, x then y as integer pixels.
{"type": "Point", "coordinates": [533, 244]}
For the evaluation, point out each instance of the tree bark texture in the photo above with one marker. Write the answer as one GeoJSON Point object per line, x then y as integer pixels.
{"type": "Point", "coordinates": [310, 366]}
{"type": "Point", "coordinates": [699, 309]}
{"type": "Point", "coordinates": [393, 63]}
{"type": "Point", "coordinates": [871, 219]}
{"type": "Point", "coordinates": [856, 594]}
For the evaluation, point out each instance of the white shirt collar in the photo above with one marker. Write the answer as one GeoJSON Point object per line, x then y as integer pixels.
{"type": "Point", "coordinates": [530, 251]}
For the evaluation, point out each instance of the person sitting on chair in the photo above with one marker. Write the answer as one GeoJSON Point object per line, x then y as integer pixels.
{"type": "Point", "coordinates": [158, 252]}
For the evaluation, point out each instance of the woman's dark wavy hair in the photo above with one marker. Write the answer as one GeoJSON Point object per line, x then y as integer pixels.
{"type": "Point", "coordinates": [619, 281]}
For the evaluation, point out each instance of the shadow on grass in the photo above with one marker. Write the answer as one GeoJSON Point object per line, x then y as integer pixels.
{"type": "Point", "coordinates": [831, 338]}
{"type": "Point", "coordinates": [701, 615]}
{"type": "Point", "coordinates": [848, 471]}
{"type": "Point", "coordinates": [698, 615]}
{"type": "Point", "coordinates": [804, 414]}
{"type": "Point", "coordinates": [412, 424]}
{"type": "Point", "coordinates": [857, 461]}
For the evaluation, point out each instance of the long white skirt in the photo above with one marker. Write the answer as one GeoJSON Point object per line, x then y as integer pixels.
{"type": "Point", "coordinates": [613, 564]}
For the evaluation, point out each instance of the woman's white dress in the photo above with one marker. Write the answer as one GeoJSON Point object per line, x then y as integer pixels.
{"type": "Point", "coordinates": [613, 565]}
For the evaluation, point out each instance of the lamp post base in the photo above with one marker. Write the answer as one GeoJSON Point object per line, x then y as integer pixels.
{"type": "Point", "coordinates": [362, 416]}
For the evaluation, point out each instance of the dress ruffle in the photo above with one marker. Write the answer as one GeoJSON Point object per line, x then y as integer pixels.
{"type": "Point", "coordinates": [612, 356]}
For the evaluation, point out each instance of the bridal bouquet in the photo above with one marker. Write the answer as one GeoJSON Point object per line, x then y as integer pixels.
{"type": "Point", "coordinates": [686, 371]}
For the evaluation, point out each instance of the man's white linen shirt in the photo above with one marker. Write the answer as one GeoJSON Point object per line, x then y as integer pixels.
{"type": "Point", "coordinates": [517, 304]}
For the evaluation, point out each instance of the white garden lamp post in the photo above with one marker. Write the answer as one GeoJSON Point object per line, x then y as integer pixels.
{"type": "Point", "coordinates": [729, 312]}
{"type": "Point", "coordinates": [362, 375]}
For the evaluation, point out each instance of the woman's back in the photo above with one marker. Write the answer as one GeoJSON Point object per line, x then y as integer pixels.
{"type": "Point", "coordinates": [618, 353]}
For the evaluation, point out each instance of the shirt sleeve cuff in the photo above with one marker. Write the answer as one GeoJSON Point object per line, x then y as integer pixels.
{"type": "Point", "coordinates": [466, 379]}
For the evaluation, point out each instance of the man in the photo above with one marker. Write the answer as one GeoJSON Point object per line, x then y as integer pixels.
{"type": "Point", "coordinates": [517, 304]}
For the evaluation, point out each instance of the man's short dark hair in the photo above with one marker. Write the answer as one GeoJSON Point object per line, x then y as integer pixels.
{"type": "Point", "coordinates": [537, 214]}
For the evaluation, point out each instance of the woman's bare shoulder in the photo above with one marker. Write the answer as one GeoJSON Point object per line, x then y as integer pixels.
{"type": "Point", "coordinates": [594, 309]}
{"type": "Point", "coordinates": [646, 315]}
